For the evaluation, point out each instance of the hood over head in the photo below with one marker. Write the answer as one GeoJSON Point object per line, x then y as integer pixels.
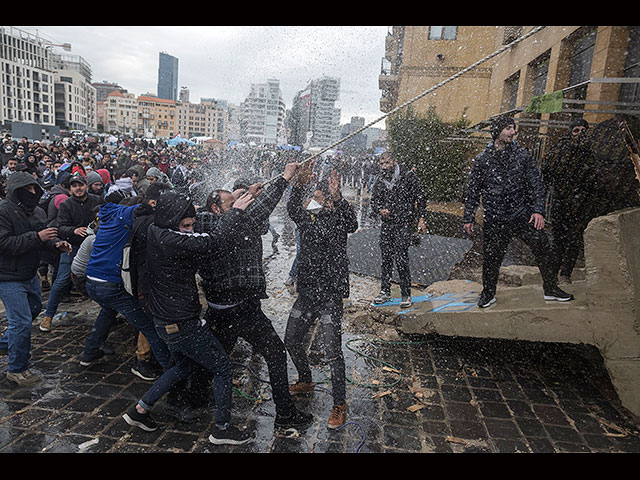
{"type": "Point", "coordinates": [18, 180]}
{"type": "Point", "coordinates": [171, 208]}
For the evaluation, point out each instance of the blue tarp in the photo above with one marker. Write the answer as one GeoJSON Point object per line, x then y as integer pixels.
{"type": "Point", "coordinates": [177, 140]}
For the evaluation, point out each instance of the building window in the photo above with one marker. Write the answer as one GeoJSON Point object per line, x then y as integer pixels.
{"type": "Point", "coordinates": [443, 33]}
{"type": "Point", "coordinates": [540, 71]}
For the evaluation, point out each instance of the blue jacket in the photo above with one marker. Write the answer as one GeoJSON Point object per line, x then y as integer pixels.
{"type": "Point", "coordinates": [116, 222]}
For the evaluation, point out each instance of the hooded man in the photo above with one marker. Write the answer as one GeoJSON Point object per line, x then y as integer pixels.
{"type": "Point", "coordinates": [23, 235]}
{"type": "Point", "coordinates": [105, 286]}
{"type": "Point", "coordinates": [398, 199]}
{"type": "Point", "coordinates": [234, 284]}
{"type": "Point", "coordinates": [322, 282]}
{"type": "Point", "coordinates": [173, 255]}
{"type": "Point", "coordinates": [568, 178]}
{"type": "Point", "coordinates": [74, 215]}
{"type": "Point", "coordinates": [506, 177]}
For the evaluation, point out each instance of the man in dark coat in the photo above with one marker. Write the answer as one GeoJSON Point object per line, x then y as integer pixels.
{"type": "Point", "coordinates": [398, 200]}
{"type": "Point", "coordinates": [323, 282]}
{"type": "Point", "coordinates": [567, 176]}
{"type": "Point", "coordinates": [173, 255]}
{"type": "Point", "coordinates": [506, 177]}
{"type": "Point", "coordinates": [234, 284]}
{"type": "Point", "coordinates": [74, 216]}
{"type": "Point", "coordinates": [23, 235]}
{"type": "Point", "coordinates": [143, 216]}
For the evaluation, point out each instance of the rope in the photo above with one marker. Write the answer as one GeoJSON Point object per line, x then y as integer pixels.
{"type": "Point", "coordinates": [418, 97]}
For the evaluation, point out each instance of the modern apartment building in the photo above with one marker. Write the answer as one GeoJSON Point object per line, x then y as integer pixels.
{"type": "Point", "coordinates": [262, 114]}
{"type": "Point", "coordinates": [26, 80]}
{"type": "Point", "coordinates": [75, 96]}
{"type": "Point", "coordinates": [167, 77]}
{"type": "Point", "coordinates": [314, 120]}
{"type": "Point", "coordinates": [596, 69]}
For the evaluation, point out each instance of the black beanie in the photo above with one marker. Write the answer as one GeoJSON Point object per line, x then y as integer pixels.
{"type": "Point", "coordinates": [579, 123]}
{"type": "Point", "coordinates": [190, 212]}
{"type": "Point", "coordinates": [500, 123]}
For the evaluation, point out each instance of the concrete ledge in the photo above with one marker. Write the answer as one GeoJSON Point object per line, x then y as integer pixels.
{"type": "Point", "coordinates": [604, 313]}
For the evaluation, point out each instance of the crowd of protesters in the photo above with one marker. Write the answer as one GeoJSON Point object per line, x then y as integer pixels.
{"type": "Point", "coordinates": [74, 213]}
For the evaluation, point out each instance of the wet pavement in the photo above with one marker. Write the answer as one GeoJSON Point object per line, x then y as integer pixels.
{"type": "Point", "coordinates": [406, 394]}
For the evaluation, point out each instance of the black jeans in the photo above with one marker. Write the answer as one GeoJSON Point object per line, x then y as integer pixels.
{"type": "Point", "coordinates": [304, 313]}
{"type": "Point", "coordinates": [394, 247]}
{"type": "Point", "coordinates": [248, 321]}
{"type": "Point", "coordinates": [567, 238]}
{"type": "Point", "coordinates": [496, 238]}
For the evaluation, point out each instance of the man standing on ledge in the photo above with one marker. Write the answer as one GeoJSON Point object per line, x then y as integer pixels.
{"type": "Point", "coordinates": [513, 196]}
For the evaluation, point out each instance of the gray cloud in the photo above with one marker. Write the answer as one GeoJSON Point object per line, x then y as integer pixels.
{"type": "Point", "coordinates": [223, 61]}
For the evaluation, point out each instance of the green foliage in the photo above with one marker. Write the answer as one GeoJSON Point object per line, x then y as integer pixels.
{"type": "Point", "coordinates": [423, 143]}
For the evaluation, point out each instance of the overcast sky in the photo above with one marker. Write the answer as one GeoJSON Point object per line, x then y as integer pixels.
{"type": "Point", "coordinates": [223, 61]}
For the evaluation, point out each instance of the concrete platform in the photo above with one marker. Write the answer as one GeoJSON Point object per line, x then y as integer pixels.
{"type": "Point", "coordinates": [605, 312]}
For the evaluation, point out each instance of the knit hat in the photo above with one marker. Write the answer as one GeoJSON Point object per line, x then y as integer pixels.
{"type": "Point", "coordinates": [580, 122]}
{"type": "Point", "coordinates": [156, 189]}
{"type": "Point", "coordinates": [500, 123]}
{"type": "Point", "coordinates": [93, 177]}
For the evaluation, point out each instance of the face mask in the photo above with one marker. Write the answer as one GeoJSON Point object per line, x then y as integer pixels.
{"type": "Point", "coordinates": [314, 207]}
{"type": "Point", "coordinates": [27, 199]}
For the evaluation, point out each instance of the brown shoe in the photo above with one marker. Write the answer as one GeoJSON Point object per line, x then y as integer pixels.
{"type": "Point", "coordinates": [23, 379]}
{"type": "Point", "coordinates": [45, 324]}
{"type": "Point", "coordinates": [301, 387]}
{"type": "Point", "coordinates": [337, 417]}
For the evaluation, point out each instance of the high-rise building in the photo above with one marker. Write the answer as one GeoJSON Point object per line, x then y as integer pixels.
{"type": "Point", "coordinates": [262, 114]}
{"type": "Point", "coordinates": [104, 88]}
{"type": "Point", "coordinates": [167, 77]}
{"type": "Point", "coordinates": [314, 120]}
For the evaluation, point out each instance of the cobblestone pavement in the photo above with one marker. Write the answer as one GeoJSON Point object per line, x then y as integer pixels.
{"type": "Point", "coordinates": [413, 394]}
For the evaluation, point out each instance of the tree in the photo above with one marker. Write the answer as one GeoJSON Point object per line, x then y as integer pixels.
{"type": "Point", "coordinates": [424, 143]}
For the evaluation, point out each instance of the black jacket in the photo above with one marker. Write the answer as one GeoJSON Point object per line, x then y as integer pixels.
{"type": "Point", "coordinates": [173, 259]}
{"type": "Point", "coordinates": [142, 217]}
{"type": "Point", "coordinates": [234, 272]}
{"type": "Point", "coordinates": [508, 182]}
{"type": "Point", "coordinates": [20, 245]}
{"type": "Point", "coordinates": [74, 213]}
{"type": "Point", "coordinates": [323, 263]}
{"type": "Point", "coordinates": [404, 198]}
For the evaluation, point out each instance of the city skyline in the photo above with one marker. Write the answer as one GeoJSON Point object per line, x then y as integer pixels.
{"type": "Point", "coordinates": [223, 61]}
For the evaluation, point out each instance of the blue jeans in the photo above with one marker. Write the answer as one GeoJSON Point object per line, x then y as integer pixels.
{"type": "Point", "coordinates": [114, 299]}
{"type": "Point", "coordinates": [23, 303]}
{"type": "Point", "coordinates": [192, 346]}
{"type": "Point", "coordinates": [62, 284]}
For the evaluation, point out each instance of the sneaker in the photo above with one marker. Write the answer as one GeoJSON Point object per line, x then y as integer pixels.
{"type": "Point", "coordinates": [141, 420]}
{"type": "Point", "coordinates": [45, 285]}
{"type": "Point", "coordinates": [406, 302]}
{"type": "Point", "coordinates": [144, 370]}
{"type": "Point", "coordinates": [383, 297]}
{"type": "Point", "coordinates": [86, 361]}
{"type": "Point", "coordinates": [558, 295]}
{"type": "Point", "coordinates": [23, 379]}
{"type": "Point", "coordinates": [228, 436]}
{"type": "Point", "coordinates": [45, 324]}
{"type": "Point", "coordinates": [294, 420]}
{"type": "Point", "coordinates": [485, 302]}
{"type": "Point", "coordinates": [337, 417]}
{"type": "Point", "coordinates": [301, 387]}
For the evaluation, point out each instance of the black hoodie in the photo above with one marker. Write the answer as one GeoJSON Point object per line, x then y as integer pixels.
{"type": "Point", "coordinates": [173, 258]}
{"type": "Point", "coordinates": [20, 244]}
